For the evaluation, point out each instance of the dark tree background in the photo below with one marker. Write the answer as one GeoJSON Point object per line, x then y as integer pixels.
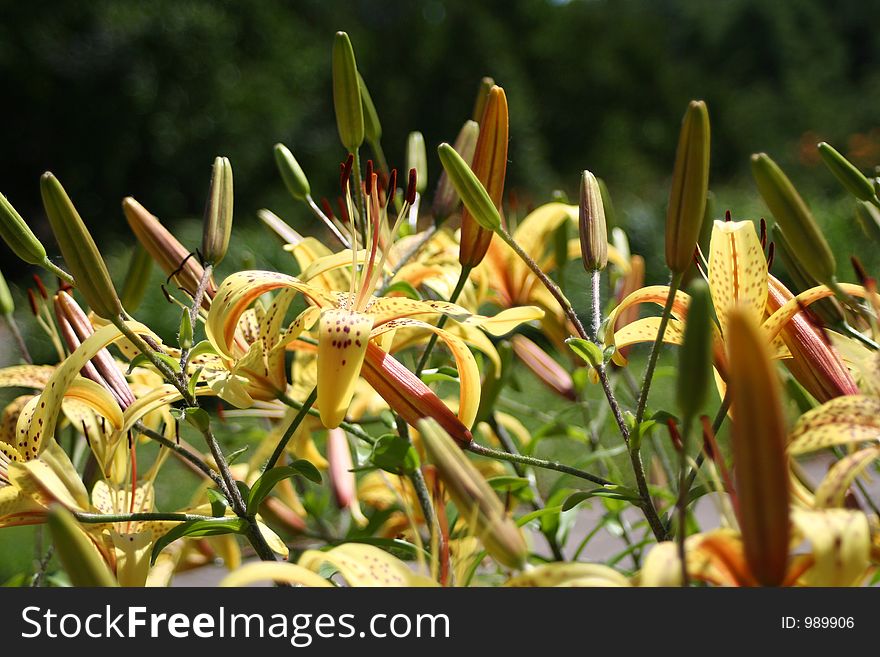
{"type": "Point", "coordinates": [122, 98]}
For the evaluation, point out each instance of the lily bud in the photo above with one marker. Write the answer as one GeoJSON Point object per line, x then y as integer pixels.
{"type": "Point", "coordinates": [20, 238]}
{"type": "Point", "coordinates": [172, 257]}
{"type": "Point", "coordinates": [690, 184]}
{"type": "Point", "coordinates": [79, 556]}
{"type": "Point", "coordinates": [7, 307]}
{"type": "Point", "coordinates": [853, 180]}
{"type": "Point", "coordinates": [695, 356]}
{"type": "Point", "coordinates": [217, 228]}
{"type": "Point", "coordinates": [136, 279]}
{"type": "Point", "coordinates": [827, 310]}
{"type": "Point", "coordinates": [291, 173]}
{"type": "Point", "coordinates": [548, 371]}
{"type": "Point", "coordinates": [868, 217]}
{"type": "Point", "coordinates": [591, 224]}
{"type": "Point", "coordinates": [814, 363]}
{"type": "Point", "coordinates": [347, 94]}
{"type": "Point", "coordinates": [470, 189]}
{"type": "Point", "coordinates": [759, 450]}
{"type": "Point", "coordinates": [490, 168]}
{"type": "Point", "coordinates": [408, 396]}
{"type": "Point", "coordinates": [417, 158]}
{"type": "Point", "coordinates": [482, 96]}
{"type": "Point", "coordinates": [372, 126]}
{"type": "Point", "coordinates": [478, 505]}
{"type": "Point", "coordinates": [79, 250]}
{"type": "Point", "coordinates": [806, 241]}
{"type": "Point", "coordinates": [445, 197]}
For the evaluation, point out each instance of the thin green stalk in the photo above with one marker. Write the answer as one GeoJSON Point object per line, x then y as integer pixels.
{"type": "Point", "coordinates": [93, 518]}
{"type": "Point", "coordinates": [60, 273]}
{"type": "Point", "coordinates": [682, 499]}
{"type": "Point", "coordinates": [459, 286]}
{"type": "Point", "coordinates": [19, 340]}
{"type": "Point", "coordinates": [183, 453]}
{"type": "Point", "coordinates": [327, 221]}
{"type": "Point", "coordinates": [674, 284]}
{"type": "Point", "coordinates": [288, 434]}
{"type": "Point", "coordinates": [476, 448]}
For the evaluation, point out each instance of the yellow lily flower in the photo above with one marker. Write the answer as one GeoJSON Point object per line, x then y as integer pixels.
{"type": "Point", "coordinates": [347, 320]}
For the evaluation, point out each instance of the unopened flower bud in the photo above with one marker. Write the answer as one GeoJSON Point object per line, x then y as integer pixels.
{"type": "Point", "coordinates": [137, 278]}
{"type": "Point", "coordinates": [591, 224]}
{"type": "Point", "coordinates": [478, 505]}
{"type": "Point", "coordinates": [372, 125]}
{"type": "Point", "coordinates": [20, 238]}
{"type": "Point", "coordinates": [845, 171]}
{"type": "Point", "coordinates": [81, 559]}
{"type": "Point", "coordinates": [690, 184]}
{"type": "Point", "coordinates": [445, 197]}
{"type": "Point", "coordinates": [806, 241]}
{"type": "Point", "coordinates": [79, 250]}
{"type": "Point", "coordinates": [469, 188]}
{"type": "Point", "coordinates": [482, 96]}
{"type": "Point", "coordinates": [173, 258]}
{"type": "Point", "coordinates": [417, 158]}
{"type": "Point", "coordinates": [759, 450]}
{"type": "Point", "coordinates": [291, 173]}
{"type": "Point", "coordinates": [347, 94]}
{"type": "Point", "coordinates": [217, 228]}
{"type": "Point", "coordinates": [7, 307]}
{"type": "Point", "coordinates": [868, 218]}
{"type": "Point", "coordinates": [543, 366]}
{"type": "Point", "coordinates": [695, 356]}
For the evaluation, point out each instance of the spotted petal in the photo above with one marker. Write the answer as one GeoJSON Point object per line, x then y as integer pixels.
{"type": "Point", "coordinates": [342, 343]}
{"type": "Point", "coordinates": [737, 271]}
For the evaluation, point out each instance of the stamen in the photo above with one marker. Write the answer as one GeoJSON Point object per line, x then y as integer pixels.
{"type": "Point", "coordinates": [41, 287]}
{"type": "Point", "coordinates": [327, 208]}
{"type": "Point", "coordinates": [727, 216]}
{"type": "Point", "coordinates": [411, 187]}
{"type": "Point", "coordinates": [771, 254]}
{"type": "Point", "coordinates": [32, 300]}
{"type": "Point", "coordinates": [674, 435]}
{"type": "Point", "coordinates": [368, 179]}
{"type": "Point", "coordinates": [86, 433]}
{"type": "Point", "coordinates": [392, 188]}
{"type": "Point", "coordinates": [859, 269]}
{"type": "Point", "coordinates": [763, 233]}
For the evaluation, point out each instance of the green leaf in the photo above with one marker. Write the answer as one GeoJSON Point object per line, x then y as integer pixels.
{"type": "Point", "coordinates": [233, 456]}
{"type": "Point", "coordinates": [264, 485]}
{"type": "Point", "coordinates": [403, 288]}
{"type": "Point", "coordinates": [590, 353]}
{"type": "Point", "coordinates": [218, 502]}
{"type": "Point", "coordinates": [185, 333]}
{"type": "Point", "coordinates": [199, 528]}
{"type": "Point", "coordinates": [202, 348]}
{"type": "Point", "coordinates": [394, 454]}
{"type": "Point", "coordinates": [537, 515]}
{"type": "Point", "coordinates": [194, 381]}
{"type": "Point", "coordinates": [611, 491]}
{"type": "Point", "coordinates": [198, 417]}
{"type": "Point", "coordinates": [141, 360]}
{"type": "Point", "coordinates": [508, 483]}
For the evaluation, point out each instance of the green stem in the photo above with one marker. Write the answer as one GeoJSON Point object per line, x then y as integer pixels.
{"type": "Point", "coordinates": [183, 453]}
{"type": "Point", "coordinates": [353, 429]}
{"type": "Point", "coordinates": [655, 349]}
{"type": "Point", "coordinates": [19, 340]}
{"type": "Point", "coordinates": [288, 433]}
{"type": "Point", "coordinates": [476, 448]}
{"type": "Point", "coordinates": [52, 268]}
{"type": "Point", "coordinates": [552, 287]}
{"type": "Point", "coordinates": [683, 489]}
{"type": "Point", "coordinates": [459, 286]}
{"type": "Point", "coordinates": [359, 197]}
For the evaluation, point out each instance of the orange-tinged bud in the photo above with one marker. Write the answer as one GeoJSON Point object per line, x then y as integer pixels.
{"type": "Point", "coordinates": [814, 363]}
{"type": "Point", "coordinates": [408, 396]}
{"type": "Point", "coordinates": [173, 258]}
{"type": "Point", "coordinates": [548, 371]}
{"type": "Point", "coordinates": [490, 167]}
{"type": "Point", "coordinates": [759, 450]}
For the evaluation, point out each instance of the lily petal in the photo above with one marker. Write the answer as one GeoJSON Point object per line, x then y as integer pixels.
{"type": "Point", "coordinates": [342, 343]}
{"type": "Point", "coordinates": [737, 270]}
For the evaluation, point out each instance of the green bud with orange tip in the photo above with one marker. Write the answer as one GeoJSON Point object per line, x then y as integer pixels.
{"type": "Point", "coordinates": [760, 458]}
{"type": "Point", "coordinates": [482, 96]}
{"type": "Point", "coordinates": [591, 224]}
{"type": "Point", "coordinates": [217, 228]}
{"type": "Point", "coordinates": [446, 199]}
{"type": "Point", "coordinates": [806, 241]}
{"type": "Point", "coordinates": [347, 94]}
{"type": "Point", "coordinates": [845, 171]}
{"type": "Point", "coordinates": [695, 356]}
{"type": "Point", "coordinates": [78, 554]}
{"type": "Point", "coordinates": [690, 185]}
{"type": "Point", "coordinates": [490, 168]}
{"type": "Point", "coordinates": [79, 250]}
{"type": "Point", "coordinates": [18, 235]}
{"type": "Point", "coordinates": [473, 195]}
{"type": "Point", "coordinates": [291, 173]}
{"type": "Point", "coordinates": [478, 505]}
